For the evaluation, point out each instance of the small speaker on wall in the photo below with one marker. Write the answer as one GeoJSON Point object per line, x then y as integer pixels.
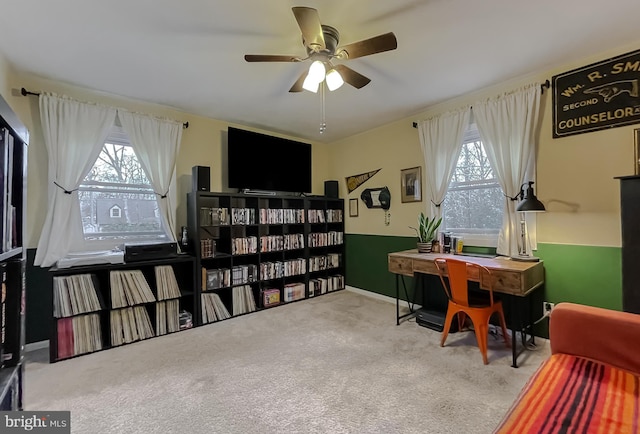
{"type": "Point", "coordinates": [201, 177]}
{"type": "Point", "coordinates": [331, 189]}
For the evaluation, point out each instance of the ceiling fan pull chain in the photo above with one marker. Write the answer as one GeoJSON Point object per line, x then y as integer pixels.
{"type": "Point", "coordinates": [323, 123]}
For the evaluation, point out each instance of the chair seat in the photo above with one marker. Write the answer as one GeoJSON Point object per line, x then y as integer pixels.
{"type": "Point", "coordinates": [481, 302]}
{"type": "Point", "coordinates": [478, 301]}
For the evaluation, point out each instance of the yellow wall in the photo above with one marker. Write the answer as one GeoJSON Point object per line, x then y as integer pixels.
{"type": "Point", "coordinates": [5, 71]}
{"type": "Point", "coordinates": [575, 174]}
{"type": "Point", "coordinates": [202, 144]}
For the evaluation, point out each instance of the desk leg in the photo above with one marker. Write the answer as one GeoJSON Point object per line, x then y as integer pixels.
{"type": "Point", "coordinates": [397, 301]}
{"type": "Point", "coordinates": [515, 326]}
{"type": "Point", "coordinates": [530, 308]}
{"type": "Point", "coordinates": [410, 304]}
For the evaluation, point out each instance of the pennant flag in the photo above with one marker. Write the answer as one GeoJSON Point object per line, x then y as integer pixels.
{"type": "Point", "coordinates": [356, 181]}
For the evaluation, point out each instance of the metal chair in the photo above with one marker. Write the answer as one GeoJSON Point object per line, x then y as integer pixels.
{"type": "Point", "coordinates": [479, 310]}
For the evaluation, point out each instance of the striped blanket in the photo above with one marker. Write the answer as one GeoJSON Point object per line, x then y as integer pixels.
{"type": "Point", "coordinates": [570, 394]}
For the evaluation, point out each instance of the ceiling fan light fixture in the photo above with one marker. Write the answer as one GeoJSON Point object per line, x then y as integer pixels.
{"type": "Point", "coordinates": [334, 80]}
{"type": "Point", "coordinates": [310, 84]}
{"type": "Point", "coordinates": [317, 72]}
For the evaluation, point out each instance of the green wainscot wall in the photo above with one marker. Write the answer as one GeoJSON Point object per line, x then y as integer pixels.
{"type": "Point", "coordinates": [589, 275]}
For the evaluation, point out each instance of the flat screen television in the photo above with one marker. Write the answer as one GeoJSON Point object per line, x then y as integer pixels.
{"type": "Point", "coordinates": [261, 162]}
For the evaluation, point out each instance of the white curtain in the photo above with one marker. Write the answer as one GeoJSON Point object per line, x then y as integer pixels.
{"type": "Point", "coordinates": [441, 140]}
{"type": "Point", "coordinates": [74, 133]}
{"type": "Point", "coordinates": [508, 126]}
{"type": "Point", "coordinates": [156, 143]}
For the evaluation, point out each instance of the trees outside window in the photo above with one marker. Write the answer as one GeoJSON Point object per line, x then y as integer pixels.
{"type": "Point", "coordinates": [117, 202]}
{"type": "Point", "coordinates": [474, 204]}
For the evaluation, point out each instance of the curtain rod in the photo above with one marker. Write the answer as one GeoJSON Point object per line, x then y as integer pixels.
{"type": "Point", "coordinates": [25, 92]}
{"type": "Point", "coordinates": [546, 84]}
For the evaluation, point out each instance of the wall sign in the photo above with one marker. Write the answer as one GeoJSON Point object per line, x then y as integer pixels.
{"type": "Point", "coordinates": [597, 96]}
{"type": "Point", "coordinates": [356, 181]}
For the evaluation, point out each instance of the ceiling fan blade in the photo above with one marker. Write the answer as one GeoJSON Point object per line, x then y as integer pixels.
{"type": "Point", "coordinates": [309, 23]}
{"type": "Point", "coordinates": [352, 77]}
{"type": "Point", "coordinates": [377, 44]}
{"type": "Point", "coordinates": [270, 58]}
{"type": "Point", "coordinates": [297, 86]}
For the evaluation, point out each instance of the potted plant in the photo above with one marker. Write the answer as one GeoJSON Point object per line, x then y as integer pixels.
{"type": "Point", "coordinates": [426, 231]}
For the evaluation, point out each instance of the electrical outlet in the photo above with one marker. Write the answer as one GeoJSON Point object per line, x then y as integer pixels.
{"type": "Point", "coordinates": [547, 307]}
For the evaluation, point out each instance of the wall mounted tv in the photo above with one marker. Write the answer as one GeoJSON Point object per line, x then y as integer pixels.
{"type": "Point", "coordinates": [261, 162]}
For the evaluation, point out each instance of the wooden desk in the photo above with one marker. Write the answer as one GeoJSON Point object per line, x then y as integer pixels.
{"type": "Point", "coordinates": [515, 278]}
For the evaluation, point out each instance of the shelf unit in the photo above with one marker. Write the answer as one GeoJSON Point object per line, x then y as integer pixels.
{"type": "Point", "coordinates": [629, 212]}
{"type": "Point", "coordinates": [14, 139]}
{"type": "Point", "coordinates": [269, 249]}
{"type": "Point", "coordinates": [80, 330]}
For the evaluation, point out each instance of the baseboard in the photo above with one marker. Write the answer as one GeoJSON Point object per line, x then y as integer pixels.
{"type": "Point", "coordinates": [378, 296]}
{"type": "Point", "coordinates": [370, 294]}
{"type": "Point", "coordinates": [36, 346]}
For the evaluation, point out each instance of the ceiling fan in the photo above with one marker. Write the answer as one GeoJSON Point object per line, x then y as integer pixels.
{"type": "Point", "coordinates": [321, 43]}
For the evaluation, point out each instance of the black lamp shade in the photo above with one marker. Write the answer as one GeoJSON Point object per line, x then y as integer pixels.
{"type": "Point", "coordinates": [530, 202]}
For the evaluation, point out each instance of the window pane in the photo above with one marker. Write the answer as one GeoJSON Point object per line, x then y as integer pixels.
{"type": "Point", "coordinates": [475, 209]}
{"type": "Point", "coordinates": [473, 164]}
{"type": "Point", "coordinates": [117, 164]}
{"type": "Point", "coordinates": [116, 200]}
{"type": "Point", "coordinates": [474, 203]}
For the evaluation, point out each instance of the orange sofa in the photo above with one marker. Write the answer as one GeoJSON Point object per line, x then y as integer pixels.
{"type": "Point", "coordinates": [591, 382]}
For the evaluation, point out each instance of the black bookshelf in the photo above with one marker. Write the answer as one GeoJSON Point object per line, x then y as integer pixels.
{"type": "Point", "coordinates": [14, 139]}
{"type": "Point", "coordinates": [276, 245]}
{"type": "Point", "coordinates": [108, 313]}
{"type": "Point", "coordinates": [629, 212]}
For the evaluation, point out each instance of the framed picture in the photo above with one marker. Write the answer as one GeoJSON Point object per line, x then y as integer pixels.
{"type": "Point", "coordinates": [636, 151]}
{"type": "Point", "coordinates": [353, 207]}
{"type": "Point", "coordinates": [411, 184]}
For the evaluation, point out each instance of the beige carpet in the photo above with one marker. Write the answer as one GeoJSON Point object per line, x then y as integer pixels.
{"type": "Point", "coordinates": [333, 364]}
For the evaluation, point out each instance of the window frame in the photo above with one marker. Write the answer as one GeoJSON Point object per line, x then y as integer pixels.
{"type": "Point", "coordinates": [117, 136]}
{"type": "Point", "coordinates": [473, 237]}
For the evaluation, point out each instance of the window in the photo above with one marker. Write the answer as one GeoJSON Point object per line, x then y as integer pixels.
{"type": "Point", "coordinates": [115, 212]}
{"type": "Point", "coordinates": [474, 204]}
{"type": "Point", "coordinates": [117, 202]}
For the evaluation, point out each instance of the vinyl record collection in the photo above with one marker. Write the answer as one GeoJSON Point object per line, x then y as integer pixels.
{"type": "Point", "coordinates": [213, 309]}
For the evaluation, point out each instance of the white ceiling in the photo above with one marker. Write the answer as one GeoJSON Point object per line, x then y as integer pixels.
{"type": "Point", "coordinates": [189, 54]}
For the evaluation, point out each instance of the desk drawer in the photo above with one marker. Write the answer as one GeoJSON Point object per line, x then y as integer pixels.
{"type": "Point", "coordinates": [426, 267]}
{"type": "Point", "coordinates": [503, 281]}
{"type": "Point", "coordinates": [401, 266]}
{"type": "Point", "coordinates": [507, 281]}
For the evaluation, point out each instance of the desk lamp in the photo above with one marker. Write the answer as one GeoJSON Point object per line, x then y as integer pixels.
{"type": "Point", "coordinates": [530, 203]}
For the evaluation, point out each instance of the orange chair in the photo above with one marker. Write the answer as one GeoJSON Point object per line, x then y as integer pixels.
{"type": "Point", "coordinates": [460, 304]}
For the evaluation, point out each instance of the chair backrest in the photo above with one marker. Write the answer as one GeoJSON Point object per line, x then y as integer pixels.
{"type": "Point", "coordinates": [458, 273]}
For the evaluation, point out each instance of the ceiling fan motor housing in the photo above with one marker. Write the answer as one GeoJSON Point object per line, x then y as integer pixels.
{"type": "Point", "coordinates": [331, 39]}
